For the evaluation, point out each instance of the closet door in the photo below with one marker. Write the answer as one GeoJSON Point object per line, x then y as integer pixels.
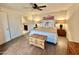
{"type": "Point", "coordinates": [4, 29]}
{"type": "Point", "coordinates": [2, 38]}
{"type": "Point", "coordinates": [15, 25]}
{"type": "Point", "coordinates": [5, 26]}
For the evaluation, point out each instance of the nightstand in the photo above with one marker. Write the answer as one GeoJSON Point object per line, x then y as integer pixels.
{"type": "Point", "coordinates": [61, 32]}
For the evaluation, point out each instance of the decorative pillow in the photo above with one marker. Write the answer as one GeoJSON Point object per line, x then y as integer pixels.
{"type": "Point", "coordinates": [47, 24]}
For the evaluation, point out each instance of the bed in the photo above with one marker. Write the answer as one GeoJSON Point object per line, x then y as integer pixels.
{"type": "Point", "coordinates": [49, 32]}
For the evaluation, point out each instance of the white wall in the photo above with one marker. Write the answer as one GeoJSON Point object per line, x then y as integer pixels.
{"type": "Point", "coordinates": [73, 22]}
{"type": "Point", "coordinates": [61, 15]}
{"type": "Point", "coordinates": [30, 23]}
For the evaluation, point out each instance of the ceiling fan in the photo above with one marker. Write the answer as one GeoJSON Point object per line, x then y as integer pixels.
{"type": "Point", "coordinates": [35, 6]}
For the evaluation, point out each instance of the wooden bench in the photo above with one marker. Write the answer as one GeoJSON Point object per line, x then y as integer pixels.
{"type": "Point", "coordinates": [37, 40]}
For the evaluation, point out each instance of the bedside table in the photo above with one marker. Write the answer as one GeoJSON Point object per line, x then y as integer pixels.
{"type": "Point", "coordinates": [61, 32]}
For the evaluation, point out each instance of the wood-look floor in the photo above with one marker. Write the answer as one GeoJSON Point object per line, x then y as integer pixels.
{"type": "Point", "coordinates": [20, 46]}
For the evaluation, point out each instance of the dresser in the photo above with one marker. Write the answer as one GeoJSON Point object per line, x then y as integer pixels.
{"type": "Point", "coordinates": [61, 32]}
{"type": "Point", "coordinates": [73, 48]}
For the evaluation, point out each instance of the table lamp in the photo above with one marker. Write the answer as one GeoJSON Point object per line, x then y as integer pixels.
{"type": "Point", "coordinates": [61, 22]}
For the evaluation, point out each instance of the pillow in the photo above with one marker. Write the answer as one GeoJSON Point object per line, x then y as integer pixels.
{"type": "Point", "coordinates": [47, 24]}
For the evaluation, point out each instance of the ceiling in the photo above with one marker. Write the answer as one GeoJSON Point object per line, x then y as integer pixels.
{"type": "Point", "coordinates": [51, 7]}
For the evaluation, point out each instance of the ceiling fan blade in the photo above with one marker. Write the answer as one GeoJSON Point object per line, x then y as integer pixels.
{"type": "Point", "coordinates": [39, 9]}
{"type": "Point", "coordinates": [41, 6]}
{"type": "Point", "coordinates": [35, 5]}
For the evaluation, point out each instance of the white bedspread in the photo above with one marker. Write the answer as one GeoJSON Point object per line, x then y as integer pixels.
{"type": "Point", "coordinates": [47, 29]}
{"type": "Point", "coordinates": [50, 33]}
